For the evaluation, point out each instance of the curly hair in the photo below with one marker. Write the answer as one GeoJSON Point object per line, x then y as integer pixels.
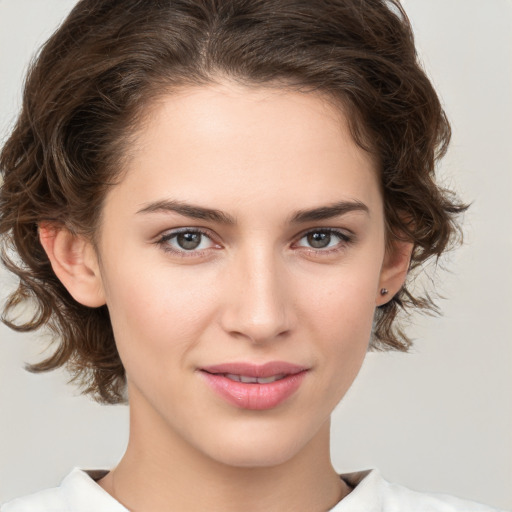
{"type": "Point", "coordinates": [86, 93]}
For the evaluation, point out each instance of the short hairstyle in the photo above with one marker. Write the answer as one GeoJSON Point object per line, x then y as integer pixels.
{"type": "Point", "coordinates": [88, 89]}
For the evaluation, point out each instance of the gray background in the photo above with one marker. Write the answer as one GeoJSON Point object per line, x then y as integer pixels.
{"type": "Point", "coordinates": [439, 418]}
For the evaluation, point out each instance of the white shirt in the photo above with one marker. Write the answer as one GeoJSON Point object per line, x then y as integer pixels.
{"type": "Point", "coordinates": [79, 492]}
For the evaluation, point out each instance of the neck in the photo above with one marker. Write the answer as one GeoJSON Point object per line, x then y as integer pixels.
{"type": "Point", "coordinates": [161, 472]}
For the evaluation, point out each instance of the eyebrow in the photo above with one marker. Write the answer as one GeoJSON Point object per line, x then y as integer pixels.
{"type": "Point", "coordinates": [328, 212]}
{"type": "Point", "coordinates": [188, 210]}
{"type": "Point", "coordinates": [211, 214]}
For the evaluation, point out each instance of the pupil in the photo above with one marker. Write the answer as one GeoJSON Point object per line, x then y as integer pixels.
{"type": "Point", "coordinates": [189, 240]}
{"type": "Point", "coordinates": [319, 240]}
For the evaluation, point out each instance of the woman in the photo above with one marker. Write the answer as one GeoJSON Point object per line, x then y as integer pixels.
{"type": "Point", "coordinates": [217, 205]}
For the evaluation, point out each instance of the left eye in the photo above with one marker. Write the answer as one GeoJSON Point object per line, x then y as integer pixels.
{"type": "Point", "coordinates": [187, 241]}
{"type": "Point", "coordinates": [322, 239]}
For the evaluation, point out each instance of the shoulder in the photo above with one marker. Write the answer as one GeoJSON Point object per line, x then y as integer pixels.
{"type": "Point", "coordinates": [42, 501]}
{"type": "Point", "coordinates": [78, 492]}
{"type": "Point", "coordinates": [372, 493]}
{"type": "Point", "coordinates": [397, 495]}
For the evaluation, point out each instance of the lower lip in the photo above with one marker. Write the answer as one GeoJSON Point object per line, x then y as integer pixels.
{"type": "Point", "coordinates": [255, 396]}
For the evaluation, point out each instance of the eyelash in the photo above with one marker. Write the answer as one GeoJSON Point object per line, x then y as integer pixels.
{"type": "Point", "coordinates": [164, 240]}
{"type": "Point", "coordinates": [345, 239]}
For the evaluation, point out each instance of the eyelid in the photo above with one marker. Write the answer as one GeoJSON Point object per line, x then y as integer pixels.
{"type": "Point", "coordinates": [164, 237]}
{"type": "Point", "coordinates": [346, 236]}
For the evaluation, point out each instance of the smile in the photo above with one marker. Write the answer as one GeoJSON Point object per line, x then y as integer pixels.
{"type": "Point", "coordinates": [254, 387]}
{"type": "Point", "coordinates": [254, 380]}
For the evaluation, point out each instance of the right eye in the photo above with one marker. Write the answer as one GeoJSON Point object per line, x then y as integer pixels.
{"type": "Point", "coordinates": [186, 241]}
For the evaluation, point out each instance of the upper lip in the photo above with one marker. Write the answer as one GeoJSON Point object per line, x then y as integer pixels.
{"type": "Point", "coordinates": [255, 370]}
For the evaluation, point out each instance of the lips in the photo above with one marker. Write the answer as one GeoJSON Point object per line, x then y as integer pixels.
{"type": "Point", "coordinates": [254, 380]}
{"type": "Point", "coordinates": [255, 387]}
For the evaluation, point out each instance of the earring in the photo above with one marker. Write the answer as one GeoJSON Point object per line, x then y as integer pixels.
{"type": "Point", "coordinates": [384, 291]}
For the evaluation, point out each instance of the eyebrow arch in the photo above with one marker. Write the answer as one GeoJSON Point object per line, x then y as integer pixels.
{"type": "Point", "coordinates": [188, 210]}
{"type": "Point", "coordinates": [328, 212]}
{"type": "Point", "coordinates": [300, 217]}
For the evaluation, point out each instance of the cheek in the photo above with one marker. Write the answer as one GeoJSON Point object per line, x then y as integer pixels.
{"type": "Point", "coordinates": [344, 331]}
{"type": "Point", "coordinates": [338, 312]}
{"type": "Point", "coordinates": [156, 311]}
{"type": "Point", "coordinates": [342, 299]}
{"type": "Point", "coordinates": [343, 320]}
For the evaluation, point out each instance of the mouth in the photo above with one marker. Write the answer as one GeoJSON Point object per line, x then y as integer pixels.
{"type": "Point", "coordinates": [255, 387]}
{"type": "Point", "coordinates": [253, 380]}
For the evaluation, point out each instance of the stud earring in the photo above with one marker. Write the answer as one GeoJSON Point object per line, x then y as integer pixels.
{"type": "Point", "coordinates": [384, 291]}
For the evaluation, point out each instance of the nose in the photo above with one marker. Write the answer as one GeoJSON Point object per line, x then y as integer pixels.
{"type": "Point", "coordinates": [258, 304]}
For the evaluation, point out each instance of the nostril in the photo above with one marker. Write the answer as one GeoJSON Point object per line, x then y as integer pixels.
{"type": "Point", "coordinates": [257, 307]}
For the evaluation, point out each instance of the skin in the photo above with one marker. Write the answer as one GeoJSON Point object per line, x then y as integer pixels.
{"type": "Point", "coordinates": [255, 290]}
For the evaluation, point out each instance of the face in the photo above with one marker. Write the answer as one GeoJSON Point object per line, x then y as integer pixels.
{"type": "Point", "coordinates": [245, 242]}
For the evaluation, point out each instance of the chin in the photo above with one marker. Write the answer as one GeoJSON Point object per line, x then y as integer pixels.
{"type": "Point", "coordinates": [262, 446]}
{"type": "Point", "coordinates": [254, 457]}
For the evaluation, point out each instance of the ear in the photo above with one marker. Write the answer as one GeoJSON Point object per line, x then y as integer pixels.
{"type": "Point", "coordinates": [394, 270]}
{"type": "Point", "coordinates": [74, 262]}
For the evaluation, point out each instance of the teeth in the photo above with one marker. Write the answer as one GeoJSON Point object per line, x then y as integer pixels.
{"type": "Point", "coordinates": [248, 380]}
{"type": "Point", "coordinates": [254, 380]}
{"type": "Point", "coordinates": [231, 376]}
{"type": "Point", "coordinates": [268, 380]}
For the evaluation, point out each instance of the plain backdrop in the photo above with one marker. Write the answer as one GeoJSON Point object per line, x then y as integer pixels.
{"type": "Point", "coordinates": [438, 418]}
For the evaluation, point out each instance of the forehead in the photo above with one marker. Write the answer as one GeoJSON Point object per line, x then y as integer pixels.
{"type": "Point", "coordinates": [231, 143]}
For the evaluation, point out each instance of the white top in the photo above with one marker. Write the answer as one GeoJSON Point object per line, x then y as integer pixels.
{"type": "Point", "coordinates": [79, 492]}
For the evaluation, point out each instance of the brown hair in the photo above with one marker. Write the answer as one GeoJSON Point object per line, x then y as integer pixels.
{"type": "Point", "coordinates": [85, 95]}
